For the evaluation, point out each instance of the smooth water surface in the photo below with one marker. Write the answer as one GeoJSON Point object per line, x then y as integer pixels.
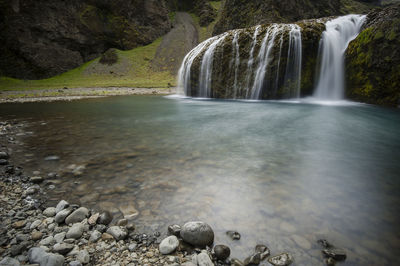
{"type": "Point", "coordinates": [281, 174]}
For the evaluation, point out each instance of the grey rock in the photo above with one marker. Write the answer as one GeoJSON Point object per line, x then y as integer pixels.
{"type": "Point", "coordinates": [77, 216]}
{"type": "Point", "coordinates": [36, 179]}
{"type": "Point", "coordinates": [61, 215]}
{"type": "Point", "coordinates": [49, 212]}
{"type": "Point", "coordinates": [236, 262]}
{"type": "Point", "coordinates": [35, 255]}
{"type": "Point", "coordinates": [95, 236]}
{"type": "Point", "coordinates": [132, 247]}
{"type": "Point", "coordinates": [8, 261]}
{"type": "Point", "coordinates": [83, 256]}
{"type": "Point", "coordinates": [253, 260]}
{"type": "Point", "coordinates": [198, 234]}
{"type": "Point", "coordinates": [62, 248]}
{"type": "Point", "coordinates": [52, 158]}
{"type": "Point", "coordinates": [31, 190]}
{"type": "Point", "coordinates": [335, 253]}
{"type": "Point", "coordinates": [169, 245]}
{"type": "Point", "coordinates": [222, 252]}
{"type": "Point", "coordinates": [51, 259]}
{"type": "Point", "coordinates": [4, 155]}
{"type": "Point", "coordinates": [61, 206]}
{"type": "Point", "coordinates": [75, 263]}
{"type": "Point", "coordinates": [283, 259]}
{"type": "Point", "coordinates": [118, 232]}
{"type": "Point", "coordinates": [203, 259]}
{"type": "Point", "coordinates": [18, 249]}
{"type": "Point", "coordinates": [174, 229]}
{"type": "Point", "coordinates": [75, 231]}
{"type": "Point", "coordinates": [105, 218]}
{"type": "Point", "coordinates": [122, 222]}
{"type": "Point", "coordinates": [101, 227]}
{"type": "Point", "coordinates": [59, 238]}
{"type": "Point", "coordinates": [47, 241]}
{"type": "Point", "coordinates": [233, 235]}
{"type": "Point", "coordinates": [263, 251]}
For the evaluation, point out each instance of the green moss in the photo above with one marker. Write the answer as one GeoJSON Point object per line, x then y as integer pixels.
{"type": "Point", "coordinates": [171, 16]}
{"type": "Point", "coordinates": [379, 35]}
{"type": "Point", "coordinates": [392, 35]}
{"type": "Point", "coordinates": [138, 74]}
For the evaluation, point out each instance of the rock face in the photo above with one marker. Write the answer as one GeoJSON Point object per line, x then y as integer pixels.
{"type": "Point", "coordinates": [44, 38]}
{"type": "Point", "coordinates": [198, 234]}
{"type": "Point", "coordinates": [373, 60]}
{"type": "Point", "coordinates": [241, 13]}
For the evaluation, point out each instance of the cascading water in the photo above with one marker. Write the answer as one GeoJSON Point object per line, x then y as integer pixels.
{"type": "Point", "coordinates": [334, 42]}
{"type": "Point", "coordinates": [251, 59]}
{"type": "Point", "coordinates": [236, 58]}
{"type": "Point", "coordinates": [293, 66]}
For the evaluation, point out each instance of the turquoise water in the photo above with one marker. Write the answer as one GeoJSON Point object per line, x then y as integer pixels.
{"type": "Point", "coordinates": [282, 174]}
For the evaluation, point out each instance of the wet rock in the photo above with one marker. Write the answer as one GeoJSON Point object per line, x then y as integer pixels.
{"type": "Point", "coordinates": [77, 216]}
{"type": "Point", "coordinates": [61, 206]}
{"type": "Point", "coordinates": [105, 218]}
{"type": "Point", "coordinates": [95, 236]}
{"type": "Point", "coordinates": [75, 231]}
{"type": "Point", "coordinates": [263, 251]}
{"type": "Point", "coordinates": [233, 235]}
{"type": "Point", "coordinates": [169, 245]}
{"type": "Point", "coordinates": [49, 212]}
{"type": "Point", "coordinates": [118, 232]}
{"type": "Point", "coordinates": [4, 155]}
{"type": "Point", "coordinates": [283, 259]}
{"type": "Point", "coordinates": [8, 261]}
{"type": "Point", "coordinates": [93, 219]}
{"type": "Point", "coordinates": [83, 257]}
{"type": "Point", "coordinates": [198, 234]}
{"type": "Point", "coordinates": [330, 262]}
{"type": "Point", "coordinates": [337, 254]}
{"type": "Point", "coordinates": [222, 252]}
{"type": "Point", "coordinates": [324, 243]}
{"type": "Point", "coordinates": [253, 260]}
{"type": "Point", "coordinates": [3, 162]}
{"type": "Point", "coordinates": [61, 215]}
{"type": "Point", "coordinates": [174, 229]}
{"type": "Point", "coordinates": [62, 248]}
{"type": "Point", "coordinates": [36, 179]}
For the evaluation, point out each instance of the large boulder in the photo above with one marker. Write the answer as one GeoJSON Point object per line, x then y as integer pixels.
{"type": "Point", "coordinates": [373, 60]}
{"type": "Point", "coordinates": [198, 234]}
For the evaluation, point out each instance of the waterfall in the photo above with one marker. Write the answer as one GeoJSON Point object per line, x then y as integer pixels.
{"type": "Point", "coordinates": [334, 42]}
{"type": "Point", "coordinates": [251, 59]}
{"type": "Point", "coordinates": [184, 83]}
{"type": "Point", "coordinates": [236, 58]}
{"type": "Point", "coordinates": [206, 68]}
{"type": "Point", "coordinates": [293, 66]}
{"type": "Point", "coordinates": [263, 59]}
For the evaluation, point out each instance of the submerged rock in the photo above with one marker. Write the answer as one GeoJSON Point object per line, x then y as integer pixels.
{"type": "Point", "coordinates": [283, 259]}
{"type": "Point", "coordinates": [233, 235]}
{"type": "Point", "coordinates": [253, 260]}
{"type": "Point", "coordinates": [197, 234]}
{"type": "Point", "coordinates": [335, 253]}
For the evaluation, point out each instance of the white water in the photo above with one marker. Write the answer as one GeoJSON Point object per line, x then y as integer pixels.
{"type": "Point", "coordinates": [279, 63]}
{"type": "Point", "coordinates": [206, 68]}
{"type": "Point", "coordinates": [251, 59]}
{"type": "Point", "coordinates": [293, 65]}
{"type": "Point", "coordinates": [334, 42]}
{"type": "Point", "coordinates": [263, 60]}
{"type": "Point", "coordinates": [236, 58]}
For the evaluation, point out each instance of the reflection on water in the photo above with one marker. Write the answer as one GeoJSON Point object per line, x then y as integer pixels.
{"type": "Point", "coordinates": [281, 174]}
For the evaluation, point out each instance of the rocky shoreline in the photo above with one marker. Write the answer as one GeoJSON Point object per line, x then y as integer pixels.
{"type": "Point", "coordinates": [69, 94]}
{"type": "Point", "coordinates": [69, 234]}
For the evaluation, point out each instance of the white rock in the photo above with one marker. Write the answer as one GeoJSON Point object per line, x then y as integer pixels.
{"type": "Point", "coordinates": [75, 231]}
{"type": "Point", "coordinates": [49, 212]}
{"type": "Point", "coordinates": [169, 245]}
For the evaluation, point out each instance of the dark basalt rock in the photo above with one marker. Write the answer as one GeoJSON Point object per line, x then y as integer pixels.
{"type": "Point", "coordinates": [105, 218]}
{"type": "Point", "coordinates": [222, 252]}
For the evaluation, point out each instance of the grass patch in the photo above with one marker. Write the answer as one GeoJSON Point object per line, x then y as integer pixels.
{"type": "Point", "coordinates": [135, 72]}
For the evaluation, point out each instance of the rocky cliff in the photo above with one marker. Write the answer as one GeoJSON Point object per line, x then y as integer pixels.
{"type": "Point", "coordinates": [243, 13]}
{"type": "Point", "coordinates": [373, 59]}
{"type": "Point", "coordinates": [42, 38]}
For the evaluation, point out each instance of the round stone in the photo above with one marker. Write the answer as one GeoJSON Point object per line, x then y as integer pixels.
{"type": "Point", "coordinates": [222, 252]}
{"type": "Point", "coordinates": [169, 245]}
{"type": "Point", "coordinates": [105, 218]}
{"type": "Point", "coordinates": [197, 234]}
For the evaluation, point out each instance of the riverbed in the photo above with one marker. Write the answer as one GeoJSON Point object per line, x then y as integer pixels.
{"type": "Point", "coordinates": [284, 174]}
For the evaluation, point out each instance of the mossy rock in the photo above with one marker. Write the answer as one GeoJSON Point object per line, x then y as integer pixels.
{"type": "Point", "coordinates": [110, 57]}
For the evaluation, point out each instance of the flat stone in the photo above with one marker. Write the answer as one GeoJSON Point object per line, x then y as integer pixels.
{"type": "Point", "coordinates": [222, 252]}
{"type": "Point", "coordinates": [36, 179]}
{"type": "Point", "coordinates": [169, 245]}
{"type": "Point", "coordinates": [51, 259]}
{"type": "Point", "coordinates": [83, 256]}
{"type": "Point", "coordinates": [47, 241]}
{"type": "Point", "coordinates": [95, 236]}
{"type": "Point", "coordinates": [52, 158]}
{"type": "Point", "coordinates": [61, 206]}
{"type": "Point", "coordinates": [197, 234]}
{"type": "Point", "coordinates": [35, 224]}
{"type": "Point", "coordinates": [49, 212]}
{"type": "Point", "coordinates": [8, 261]}
{"type": "Point", "coordinates": [283, 259]}
{"type": "Point", "coordinates": [93, 219]}
{"type": "Point", "coordinates": [61, 215]}
{"type": "Point", "coordinates": [335, 253]}
{"type": "Point", "coordinates": [59, 238]}
{"type": "Point", "coordinates": [75, 231]}
{"type": "Point", "coordinates": [19, 224]}
{"type": "Point", "coordinates": [62, 248]}
{"type": "Point", "coordinates": [118, 232]}
{"type": "Point", "coordinates": [106, 236]}
{"type": "Point", "coordinates": [36, 235]}
{"type": "Point", "coordinates": [77, 216]}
